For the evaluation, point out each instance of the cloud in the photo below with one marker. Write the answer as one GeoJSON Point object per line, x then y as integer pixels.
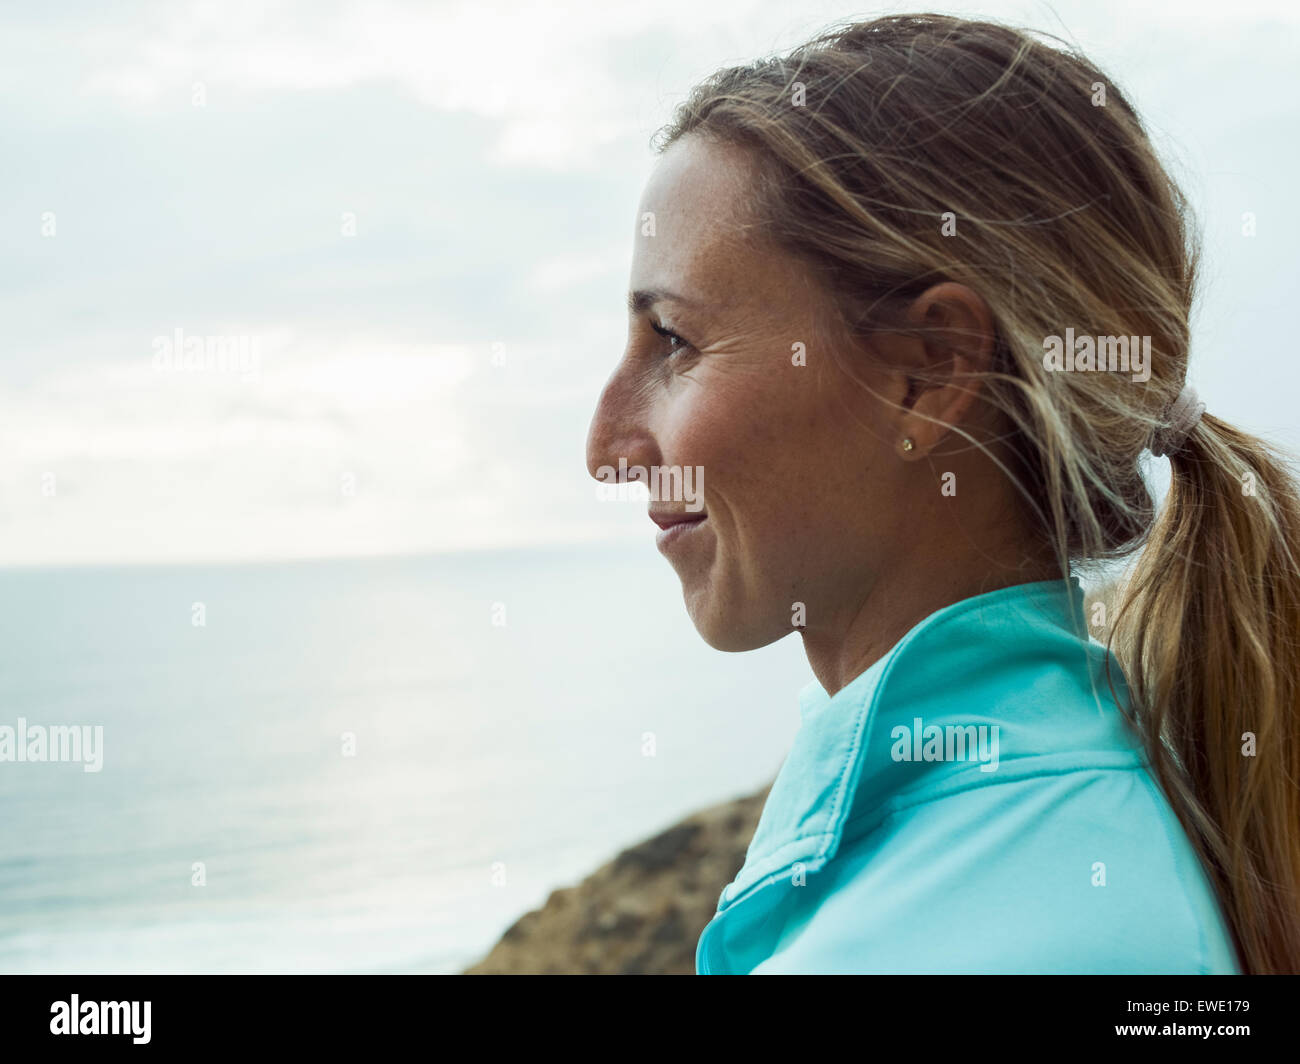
{"type": "Point", "coordinates": [389, 195]}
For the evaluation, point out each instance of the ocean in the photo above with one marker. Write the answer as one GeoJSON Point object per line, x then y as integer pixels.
{"type": "Point", "coordinates": [354, 766]}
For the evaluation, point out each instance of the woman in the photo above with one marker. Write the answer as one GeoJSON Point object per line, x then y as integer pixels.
{"type": "Point", "coordinates": [879, 290]}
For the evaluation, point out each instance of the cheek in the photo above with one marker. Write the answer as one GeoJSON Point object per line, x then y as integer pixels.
{"type": "Point", "coordinates": [759, 452]}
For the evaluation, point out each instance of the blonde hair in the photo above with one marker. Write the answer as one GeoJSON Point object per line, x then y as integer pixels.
{"type": "Point", "coordinates": [1059, 214]}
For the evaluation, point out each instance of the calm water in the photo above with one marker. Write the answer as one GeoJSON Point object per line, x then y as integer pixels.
{"type": "Point", "coordinates": [482, 751]}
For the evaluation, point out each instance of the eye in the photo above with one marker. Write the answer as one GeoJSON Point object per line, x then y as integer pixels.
{"type": "Point", "coordinates": [675, 342]}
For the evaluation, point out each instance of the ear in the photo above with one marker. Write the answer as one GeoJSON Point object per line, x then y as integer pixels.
{"type": "Point", "coordinates": [956, 347]}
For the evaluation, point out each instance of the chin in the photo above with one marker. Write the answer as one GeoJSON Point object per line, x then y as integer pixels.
{"type": "Point", "coordinates": [726, 630]}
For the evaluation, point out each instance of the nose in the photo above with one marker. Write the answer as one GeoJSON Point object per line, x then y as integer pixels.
{"type": "Point", "coordinates": [619, 430]}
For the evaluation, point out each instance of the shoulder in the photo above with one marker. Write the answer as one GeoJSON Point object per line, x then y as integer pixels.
{"type": "Point", "coordinates": [1078, 870]}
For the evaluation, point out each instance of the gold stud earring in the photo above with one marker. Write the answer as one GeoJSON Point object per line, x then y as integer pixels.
{"type": "Point", "coordinates": [907, 443]}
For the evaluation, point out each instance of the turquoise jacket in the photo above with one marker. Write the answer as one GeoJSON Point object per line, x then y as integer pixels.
{"type": "Point", "coordinates": [973, 802]}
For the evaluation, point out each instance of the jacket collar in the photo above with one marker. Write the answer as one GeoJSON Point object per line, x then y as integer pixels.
{"type": "Point", "coordinates": [1017, 659]}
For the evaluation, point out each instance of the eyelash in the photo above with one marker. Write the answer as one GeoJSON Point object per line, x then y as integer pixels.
{"type": "Point", "coordinates": [668, 334]}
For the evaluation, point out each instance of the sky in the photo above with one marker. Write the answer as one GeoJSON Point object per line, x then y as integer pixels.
{"type": "Point", "coordinates": [413, 223]}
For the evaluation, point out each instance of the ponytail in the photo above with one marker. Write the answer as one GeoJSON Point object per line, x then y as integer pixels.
{"type": "Point", "coordinates": [1208, 636]}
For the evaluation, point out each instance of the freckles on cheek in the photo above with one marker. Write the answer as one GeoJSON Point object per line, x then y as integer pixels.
{"type": "Point", "coordinates": [716, 432]}
{"type": "Point", "coordinates": [741, 403]}
{"type": "Point", "coordinates": [753, 468]}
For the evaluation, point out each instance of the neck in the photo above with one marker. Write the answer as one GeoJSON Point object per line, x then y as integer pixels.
{"type": "Point", "coordinates": [870, 625]}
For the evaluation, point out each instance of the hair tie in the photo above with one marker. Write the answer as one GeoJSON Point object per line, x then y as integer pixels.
{"type": "Point", "coordinates": [1183, 414]}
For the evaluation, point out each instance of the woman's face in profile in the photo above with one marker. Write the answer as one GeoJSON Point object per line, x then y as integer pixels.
{"type": "Point", "coordinates": [801, 499]}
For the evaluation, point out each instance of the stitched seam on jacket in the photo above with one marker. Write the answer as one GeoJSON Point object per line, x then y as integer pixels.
{"type": "Point", "coordinates": [896, 805]}
{"type": "Point", "coordinates": [946, 787]}
{"type": "Point", "coordinates": [777, 871]}
{"type": "Point", "coordinates": [851, 761]}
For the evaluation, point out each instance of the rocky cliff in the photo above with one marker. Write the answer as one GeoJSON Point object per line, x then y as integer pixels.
{"type": "Point", "coordinates": [640, 914]}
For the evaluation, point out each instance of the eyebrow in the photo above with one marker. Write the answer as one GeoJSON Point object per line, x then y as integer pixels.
{"type": "Point", "coordinates": [644, 298]}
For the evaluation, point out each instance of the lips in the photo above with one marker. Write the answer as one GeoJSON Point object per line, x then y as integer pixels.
{"type": "Point", "coordinates": [677, 528]}
{"type": "Point", "coordinates": [666, 519]}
